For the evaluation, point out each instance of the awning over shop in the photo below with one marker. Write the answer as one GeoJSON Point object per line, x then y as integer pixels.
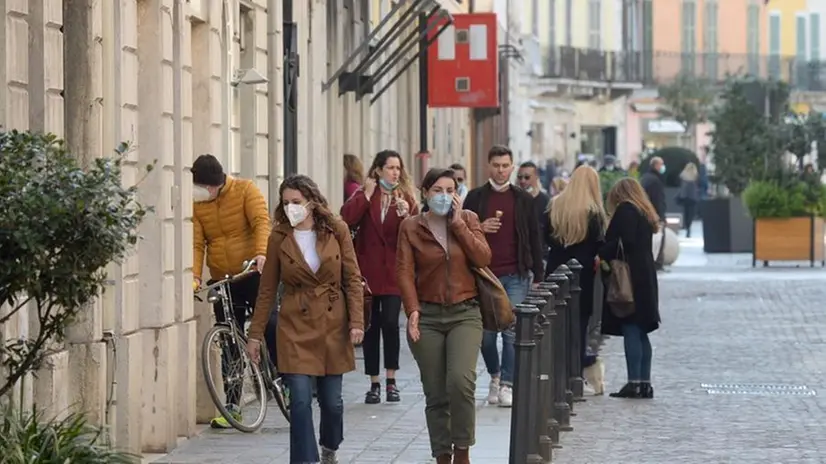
{"type": "Point", "coordinates": [395, 37]}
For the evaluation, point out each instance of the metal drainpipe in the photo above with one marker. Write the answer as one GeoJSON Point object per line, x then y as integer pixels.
{"type": "Point", "coordinates": [275, 170]}
{"type": "Point", "coordinates": [226, 94]}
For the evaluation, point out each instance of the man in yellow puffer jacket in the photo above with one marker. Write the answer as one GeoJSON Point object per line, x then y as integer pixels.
{"type": "Point", "coordinates": [230, 225]}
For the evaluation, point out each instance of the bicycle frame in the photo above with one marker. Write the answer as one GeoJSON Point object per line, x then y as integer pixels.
{"type": "Point", "coordinates": [220, 291]}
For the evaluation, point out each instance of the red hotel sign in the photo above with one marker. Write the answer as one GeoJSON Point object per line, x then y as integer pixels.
{"type": "Point", "coordinates": [463, 63]}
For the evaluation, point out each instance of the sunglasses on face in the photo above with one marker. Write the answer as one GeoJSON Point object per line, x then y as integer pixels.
{"type": "Point", "coordinates": [524, 177]}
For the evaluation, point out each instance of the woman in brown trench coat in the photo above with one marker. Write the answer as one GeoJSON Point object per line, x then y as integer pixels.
{"type": "Point", "coordinates": [310, 251]}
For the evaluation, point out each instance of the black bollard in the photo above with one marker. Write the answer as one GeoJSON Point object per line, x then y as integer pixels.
{"type": "Point", "coordinates": [561, 408]}
{"type": "Point", "coordinates": [522, 415]}
{"type": "Point", "coordinates": [551, 424]}
{"type": "Point", "coordinates": [569, 338]}
{"type": "Point", "coordinates": [543, 300]}
{"type": "Point", "coordinates": [576, 383]}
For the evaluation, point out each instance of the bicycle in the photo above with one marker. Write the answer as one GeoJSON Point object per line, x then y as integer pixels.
{"type": "Point", "coordinates": [264, 383]}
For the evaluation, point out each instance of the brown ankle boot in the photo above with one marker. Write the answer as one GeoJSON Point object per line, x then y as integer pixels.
{"type": "Point", "coordinates": [461, 455]}
{"type": "Point", "coordinates": [444, 459]}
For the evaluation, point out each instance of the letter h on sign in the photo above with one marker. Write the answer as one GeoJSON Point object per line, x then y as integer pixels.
{"type": "Point", "coordinates": [463, 63]}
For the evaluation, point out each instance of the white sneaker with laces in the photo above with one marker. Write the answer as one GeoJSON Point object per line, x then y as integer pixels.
{"type": "Point", "coordinates": [328, 456]}
{"type": "Point", "coordinates": [493, 391]}
{"type": "Point", "coordinates": [505, 397]}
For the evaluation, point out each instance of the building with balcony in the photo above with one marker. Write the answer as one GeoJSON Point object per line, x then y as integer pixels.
{"type": "Point", "coordinates": [584, 66]}
{"type": "Point", "coordinates": [777, 39]}
{"type": "Point", "coordinates": [179, 78]}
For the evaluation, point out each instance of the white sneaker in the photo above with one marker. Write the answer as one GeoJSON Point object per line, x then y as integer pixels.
{"type": "Point", "coordinates": [588, 390]}
{"type": "Point", "coordinates": [493, 391]}
{"type": "Point", "coordinates": [505, 397]}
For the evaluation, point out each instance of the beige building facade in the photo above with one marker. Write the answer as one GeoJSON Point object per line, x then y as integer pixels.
{"type": "Point", "coordinates": [163, 75]}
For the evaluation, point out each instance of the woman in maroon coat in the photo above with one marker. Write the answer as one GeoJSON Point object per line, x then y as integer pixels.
{"type": "Point", "coordinates": [375, 213]}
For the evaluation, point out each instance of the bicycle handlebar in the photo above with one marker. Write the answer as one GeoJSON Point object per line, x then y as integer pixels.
{"type": "Point", "coordinates": [247, 269]}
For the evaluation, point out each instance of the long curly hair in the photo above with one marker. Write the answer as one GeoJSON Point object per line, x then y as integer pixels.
{"type": "Point", "coordinates": [571, 211]}
{"type": "Point", "coordinates": [323, 218]}
{"type": "Point", "coordinates": [405, 182]}
{"type": "Point", "coordinates": [629, 190]}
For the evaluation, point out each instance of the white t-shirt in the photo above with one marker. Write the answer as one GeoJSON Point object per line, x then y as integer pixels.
{"type": "Point", "coordinates": [306, 242]}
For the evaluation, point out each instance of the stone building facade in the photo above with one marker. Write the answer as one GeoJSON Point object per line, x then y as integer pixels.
{"type": "Point", "coordinates": [160, 74]}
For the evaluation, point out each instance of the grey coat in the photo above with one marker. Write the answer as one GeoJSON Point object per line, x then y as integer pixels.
{"type": "Point", "coordinates": [689, 191]}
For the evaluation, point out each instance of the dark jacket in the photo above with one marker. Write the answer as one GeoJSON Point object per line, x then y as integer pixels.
{"type": "Point", "coordinates": [689, 192]}
{"type": "Point", "coordinates": [654, 187]}
{"type": "Point", "coordinates": [630, 226]}
{"type": "Point", "coordinates": [540, 202]}
{"type": "Point", "coordinates": [527, 226]}
{"type": "Point", "coordinates": [585, 252]}
{"type": "Point", "coordinates": [375, 241]}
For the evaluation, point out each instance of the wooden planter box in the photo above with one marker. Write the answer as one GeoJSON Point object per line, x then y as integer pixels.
{"type": "Point", "coordinates": [789, 239]}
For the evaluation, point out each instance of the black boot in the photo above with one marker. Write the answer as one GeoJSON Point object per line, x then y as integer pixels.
{"type": "Point", "coordinates": [646, 390]}
{"type": "Point", "coordinates": [630, 390]}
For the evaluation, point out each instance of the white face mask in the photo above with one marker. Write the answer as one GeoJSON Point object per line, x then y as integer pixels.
{"type": "Point", "coordinates": [296, 214]}
{"type": "Point", "coordinates": [200, 194]}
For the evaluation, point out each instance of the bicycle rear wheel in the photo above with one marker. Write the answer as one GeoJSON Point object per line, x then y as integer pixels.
{"type": "Point", "coordinates": [235, 383]}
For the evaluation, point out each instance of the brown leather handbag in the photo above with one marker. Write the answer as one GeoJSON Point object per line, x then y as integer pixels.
{"type": "Point", "coordinates": [620, 297]}
{"type": "Point", "coordinates": [496, 307]}
{"type": "Point", "coordinates": [367, 311]}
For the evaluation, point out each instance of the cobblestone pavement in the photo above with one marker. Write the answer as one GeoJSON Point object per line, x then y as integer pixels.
{"type": "Point", "coordinates": [762, 332]}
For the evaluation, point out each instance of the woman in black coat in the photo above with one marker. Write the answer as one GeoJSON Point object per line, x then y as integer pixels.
{"type": "Point", "coordinates": [574, 227]}
{"type": "Point", "coordinates": [633, 222]}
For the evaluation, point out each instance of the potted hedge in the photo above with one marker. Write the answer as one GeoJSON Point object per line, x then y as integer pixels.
{"type": "Point", "coordinates": [788, 220]}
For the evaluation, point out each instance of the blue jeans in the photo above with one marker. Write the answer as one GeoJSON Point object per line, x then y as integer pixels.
{"type": "Point", "coordinates": [517, 288]}
{"type": "Point", "coordinates": [637, 353]}
{"type": "Point", "coordinates": [303, 448]}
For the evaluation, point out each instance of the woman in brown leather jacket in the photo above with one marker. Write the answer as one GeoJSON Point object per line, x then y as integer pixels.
{"type": "Point", "coordinates": [436, 252]}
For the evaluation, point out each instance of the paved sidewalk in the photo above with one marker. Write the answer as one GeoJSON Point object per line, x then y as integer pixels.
{"type": "Point", "coordinates": [756, 336]}
{"type": "Point", "coordinates": [385, 433]}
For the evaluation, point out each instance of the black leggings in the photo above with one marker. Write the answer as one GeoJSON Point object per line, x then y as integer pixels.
{"type": "Point", "coordinates": [384, 323]}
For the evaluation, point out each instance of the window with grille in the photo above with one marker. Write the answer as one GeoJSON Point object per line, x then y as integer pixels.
{"type": "Point", "coordinates": [753, 38]}
{"type": "Point", "coordinates": [689, 19]}
{"type": "Point", "coordinates": [774, 45]}
{"type": "Point", "coordinates": [710, 40]}
{"type": "Point", "coordinates": [594, 24]}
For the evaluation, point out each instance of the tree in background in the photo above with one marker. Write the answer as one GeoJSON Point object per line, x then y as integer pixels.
{"type": "Point", "coordinates": [746, 144]}
{"type": "Point", "coordinates": [688, 100]}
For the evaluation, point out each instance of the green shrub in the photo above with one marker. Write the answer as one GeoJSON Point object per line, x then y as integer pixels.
{"type": "Point", "coordinates": [675, 159]}
{"type": "Point", "coordinates": [30, 438]}
{"type": "Point", "coordinates": [774, 199]}
{"type": "Point", "coordinates": [607, 179]}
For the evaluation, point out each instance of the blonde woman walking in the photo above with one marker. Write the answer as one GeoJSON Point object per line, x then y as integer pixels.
{"type": "Point", "coordinates": [575, 224]}
{"type": "Point", "coordinates": [689, 195]}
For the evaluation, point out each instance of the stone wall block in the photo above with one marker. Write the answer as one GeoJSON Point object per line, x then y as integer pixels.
{"type": "Point", "coordinates": [160, 370]}
{"type": "Point", "coordinates": [87, 379]}
{"type": "Point", "coordinates": [128, 418]}
{"type": "Point", "coordinates": [205, 408]}
{"type": "Point", "coordinates": [185, 397]}
{"type": "Point", "coordinates": [50, 392]}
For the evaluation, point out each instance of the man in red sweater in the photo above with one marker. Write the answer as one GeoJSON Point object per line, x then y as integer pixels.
{"type": "Point", "coordinates": [511, 225]}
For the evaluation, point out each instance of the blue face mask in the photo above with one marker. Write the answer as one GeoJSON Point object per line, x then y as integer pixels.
{"type": "Point", "coordinates": [440, 204]}
{"type": "Point", "coordinates": [462, 189]}
{"type": "Point", "coordinates": [662, 169]}
{"type": "Point", "coordinates": [387, 185]}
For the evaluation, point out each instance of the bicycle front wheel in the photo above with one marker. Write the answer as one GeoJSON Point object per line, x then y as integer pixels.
{"type": "Point", "coordinates": [235, 383]}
